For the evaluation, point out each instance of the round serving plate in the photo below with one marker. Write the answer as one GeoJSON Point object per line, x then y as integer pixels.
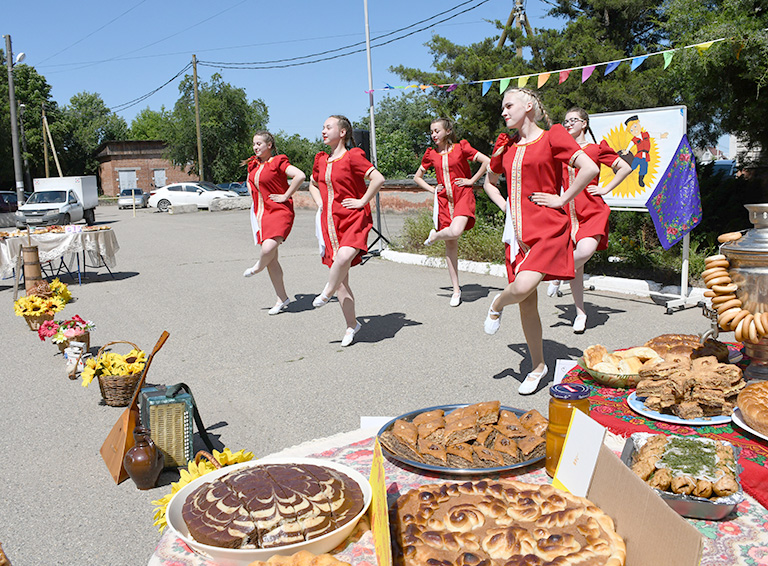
{"type": "Point", "coordinates": [739, 420]}
{"type": "Point", "coordinates": [617, 381]}
{"type": "Point", "coordinates": [442, 469]}
{"type": "Point", "coordinates": [638, 406]}
{"type": "Point", "coordinates": [243, 557]}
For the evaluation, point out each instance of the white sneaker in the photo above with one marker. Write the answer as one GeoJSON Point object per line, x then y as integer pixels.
{"type": "Point", "coordinates": [532, 381]}
{"type": "Point", "coordinates": [429, 241]}
{"type": "Point", "coordinates": [279, 307]}
{"type": "Point", "coordinates": [580, 324]}
{"type": "Point", "coordinates": [320, 301]}
{"type": "Point", "coordinates": [492, 325]}
{"type": "Point", "coordinates": [251, 270]}
{"type": "Point", "coordinates": [349, 335]}
{"type": "Point", "coordinates": [553, 288]}
{"type": "Point", "coordinates": [455, 299]}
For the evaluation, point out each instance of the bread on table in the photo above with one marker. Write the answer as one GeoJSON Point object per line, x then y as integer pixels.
{"type": "Point", "coordinates": [753, 403]}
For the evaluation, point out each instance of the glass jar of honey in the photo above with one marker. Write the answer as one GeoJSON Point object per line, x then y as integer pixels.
{"type": "Point", "coordinates": [564, 398]}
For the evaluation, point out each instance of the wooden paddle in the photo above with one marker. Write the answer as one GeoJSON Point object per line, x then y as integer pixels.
{"type": "Point", "coordinates": [120, 439]}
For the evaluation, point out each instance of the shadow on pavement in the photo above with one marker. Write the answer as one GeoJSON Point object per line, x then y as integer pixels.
{"type": "Point", "coordinates": [597, 315]}
{"type": "Point", "coordinates": [552, 351]}
{"type": "Point", "coordinates": [471, 292]}
{"type": "Point", "coordinates": [381, 327]}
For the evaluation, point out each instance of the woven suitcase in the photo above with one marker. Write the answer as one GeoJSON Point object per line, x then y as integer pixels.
{"type": "Point", "coordinates": [169, 413]}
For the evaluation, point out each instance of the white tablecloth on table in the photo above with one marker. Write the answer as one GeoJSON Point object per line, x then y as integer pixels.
{"type": "Point", "coordinates": [100, 245]}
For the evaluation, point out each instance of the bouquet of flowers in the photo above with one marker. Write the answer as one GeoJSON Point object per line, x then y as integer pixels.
{"type": "Point", "coordinates": [33, 305]}
{"type": "Point", "coordinates": [60, 290]}
{"type": "Point", "coordinates": [63, 331]}
{"type": "Point", "coordinates": [111, 363]}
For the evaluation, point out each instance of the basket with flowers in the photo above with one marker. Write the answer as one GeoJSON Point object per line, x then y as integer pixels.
{"type": "Point", "coordinates": [118, 374]}
{"type": "Point", "coordinates": [36, 309]}
{"type": "Point", "coordinates": [62, 332]}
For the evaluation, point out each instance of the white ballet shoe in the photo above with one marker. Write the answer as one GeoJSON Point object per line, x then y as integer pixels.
{"type": "Point", "coordinates": [349, 335]}
{"type": "Point", "coordinates": [580, 324]}
{"type": "Point", "coordinates": [492, 325]}
{"type": "Point", "coordinates": [251, 270]}
{"type": "Point", "coordinates": [553, 288]}
{"type": "Point", "coordinates": [431, 238]}
{"type": "Point", "coordinates": [532, 381]}
{"type": "Point", "coordinates": [279, 307]}
{"type": "Point", "coordinates": [455, 299]}
{"type": "Point", "coordinates": [320, 301]}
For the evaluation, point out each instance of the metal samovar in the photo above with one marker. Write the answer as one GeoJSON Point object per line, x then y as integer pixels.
{"type": "Point", "coordinates": [748, 257]}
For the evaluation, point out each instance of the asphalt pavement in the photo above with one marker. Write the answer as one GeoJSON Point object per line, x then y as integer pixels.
{"type": "Point", "coordinates": [262, 382]}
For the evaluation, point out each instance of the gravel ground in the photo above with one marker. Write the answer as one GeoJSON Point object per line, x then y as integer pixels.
{"type": "Point", "coordinates": [262, 383]}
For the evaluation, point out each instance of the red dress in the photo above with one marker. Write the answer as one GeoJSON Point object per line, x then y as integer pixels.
{"type": "Point", "coordinates": [337, 180]}
{"type": "Point", "coordinates": [273, 219]}
{"type": "Point", "coordinates": [543, 233]}
{"type": "Point", "coordinates": [589, 213]}
{"type": "Point", "coordinates": [453, 200]}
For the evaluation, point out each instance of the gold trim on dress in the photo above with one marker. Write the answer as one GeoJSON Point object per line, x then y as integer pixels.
{"type": "Point", "coordinates": [260, 211]}
{"type": "Point", "coordinates": [572, 205]}
{"type": "Point", "coordinates": [575, 156]}
{"type": "Point", "coordinates": [447, 182]}
{"type": "Point", "coordinates": [332, 235]}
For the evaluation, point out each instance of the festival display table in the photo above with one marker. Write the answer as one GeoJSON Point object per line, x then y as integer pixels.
{"type": "Point", "coordinates": [100, 246]}
{"type": "Point", "coordinates": [743, 539]}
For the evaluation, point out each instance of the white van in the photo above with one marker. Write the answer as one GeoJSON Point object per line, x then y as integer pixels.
{"type": "Point", "coordinates": [60, 201]}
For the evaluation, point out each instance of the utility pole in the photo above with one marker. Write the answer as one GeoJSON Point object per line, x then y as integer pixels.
{"type": "Point", "coordinates": [14, 123]}
{"type": "Point", "coordinates": [197, 121]}
{"type": "Point", "coordinates": [518, 16]}
{"type": "Point", "coordinates": [45, 141]}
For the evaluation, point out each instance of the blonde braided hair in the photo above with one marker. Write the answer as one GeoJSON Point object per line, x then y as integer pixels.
{"type": "Point", "coordinates": [530, 96]}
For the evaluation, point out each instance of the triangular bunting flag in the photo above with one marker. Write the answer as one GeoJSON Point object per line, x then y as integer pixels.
{"type": "Point", "coordinates": [637, 61]}
{"type": "Point", "coordinates": [486, 87]}
{"type": "Point", "coordinates": [611, 67]}
{"type": "Point", "coordinates": [452, 87]}
{"type": "Point", "coordinates": [423, 87]}
{"type": "Point", "coordinates": [668, 58]}
{"type": "Point", "coordinates": [388, 87]}
{"type": "Point", "coordinates": [522, 81]}
{"type": "Point", "coordinates": [702, 47]}
{"type": "Point", "coordinates": [586, 72]}
{"type": "Point", "coordinates": [543, 78]}
{"type": "Point", "coordinates": [503, 84]}
{"type": "Point", "coordinates": [564, 75]}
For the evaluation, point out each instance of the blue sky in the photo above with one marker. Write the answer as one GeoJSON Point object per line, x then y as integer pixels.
{"type": "Point", "coordinates": [125, 50]}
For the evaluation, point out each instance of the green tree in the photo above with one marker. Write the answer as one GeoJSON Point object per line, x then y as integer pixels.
{"type": "Point", "coordinates": [149, 124]}
{"type": "Point", "coordinates": [300, 151]}
{"type": "Point", "coordinates": [724, 86]}
{"type": "Point", "coordinates": [227, 123]}
{"type": "Point", "coordinates": [83, 125]}
{"type": "Point", "coordinates": [32, 90]}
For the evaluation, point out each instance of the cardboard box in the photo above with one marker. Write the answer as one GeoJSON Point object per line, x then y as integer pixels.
{"type": "Point", "coordinates": [653, 532]}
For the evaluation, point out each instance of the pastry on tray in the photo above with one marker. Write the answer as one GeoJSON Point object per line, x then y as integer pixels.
{"type": "Point", "coordinates": [301, 558]}
{"type": "Point", "coordinates": [753, 403]}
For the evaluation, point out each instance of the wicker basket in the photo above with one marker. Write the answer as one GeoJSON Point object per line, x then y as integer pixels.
{"type": "Point", "coordinates": [118, 390]}
{"type": "Point", "coordinates": [82, 337]}
{"type": "Point", "coordinates": [34, 321]}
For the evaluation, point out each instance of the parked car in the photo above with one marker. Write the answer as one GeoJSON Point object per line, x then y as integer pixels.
{"type": "Point", "coordinates": [201, 193]}
{"type": "Point", "coordinates": [240, 188]}
{"type": "Point", "coordinates": [127, 196]}
{"type": "Point", "coordinates": [8, 201]}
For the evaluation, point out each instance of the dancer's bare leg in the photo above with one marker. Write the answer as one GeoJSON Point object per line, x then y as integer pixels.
{"type": "Point", "coordinates": [268, 253]}
{"type": "Point", "coordinates": [347, 302]}
{"type": "Point", "coordinates": [529, 316]}
{"type": "Point", "coordinates": [340, 269]}
{"type": "Point", "coordinates": [452, 259]}
{"type": "Point", "coordinates": [584, 250]}
{"type": "Point", "coordinates": [524, 284]}
{"type": "Point", "coordinates": [275, 271]}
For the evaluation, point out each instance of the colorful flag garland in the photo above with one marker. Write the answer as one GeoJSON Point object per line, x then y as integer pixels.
{"type": "Point", "coordinates": [543, 77]}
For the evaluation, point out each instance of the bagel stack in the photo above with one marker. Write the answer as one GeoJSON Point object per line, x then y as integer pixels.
{"type": "Point", "coordinates": [745, 325]}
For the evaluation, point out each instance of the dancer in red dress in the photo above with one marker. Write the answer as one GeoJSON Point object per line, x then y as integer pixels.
{"type": "Point", "coordinates": [338, 188]}
{"type": "Point", "coordinates": [454, 207]}
{"type": "Point", "coordinates": [537, 231]}
{"type": "Point", "coordinates": [272, 211]}
{"type": "Point", "coordinates": [588, 211]}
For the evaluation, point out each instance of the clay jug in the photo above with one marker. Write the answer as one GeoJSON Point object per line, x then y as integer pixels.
{"type": "Point", "coordinates": [144, 461]}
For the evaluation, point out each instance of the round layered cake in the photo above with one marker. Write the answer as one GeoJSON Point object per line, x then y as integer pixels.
{"type": "Point", "coordinates": [504, 523]}
{"type": "Point", "coordinates": [271, 505]}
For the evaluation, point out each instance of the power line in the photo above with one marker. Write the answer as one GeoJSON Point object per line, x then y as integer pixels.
{"type": "Point", "coordinates": [143, 97]}
{"type": "Point", "coordinates": [93, 32]}
{"type": "Point", "coordinates": [260, 66]}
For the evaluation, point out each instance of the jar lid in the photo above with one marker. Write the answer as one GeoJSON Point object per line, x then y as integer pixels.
{"type": "Point", "coordinates": [569, 391]}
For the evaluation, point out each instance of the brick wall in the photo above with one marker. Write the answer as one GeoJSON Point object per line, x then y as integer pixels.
{"type": "Point", "coordinates": [143, 157]}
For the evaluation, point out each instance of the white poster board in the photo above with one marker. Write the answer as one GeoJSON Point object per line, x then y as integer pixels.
{"type": "Point", "coordinates": [647, 139]}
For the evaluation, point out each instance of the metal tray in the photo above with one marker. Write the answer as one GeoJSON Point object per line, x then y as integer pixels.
{"type": "Point", "coordinates": [442, 469]}
{"type": "Point", "coordinates": [688, 505]}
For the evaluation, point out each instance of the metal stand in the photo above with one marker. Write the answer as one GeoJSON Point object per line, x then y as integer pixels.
{"type": "Point", "coordinates": [682, 301]}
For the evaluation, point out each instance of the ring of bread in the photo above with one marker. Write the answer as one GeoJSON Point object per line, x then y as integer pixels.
{"type": "Point", "coordinates": [502, 523]}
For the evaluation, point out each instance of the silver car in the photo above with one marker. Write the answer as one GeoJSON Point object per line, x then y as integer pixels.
{"type": "Point", "coordinates": [127, 196]}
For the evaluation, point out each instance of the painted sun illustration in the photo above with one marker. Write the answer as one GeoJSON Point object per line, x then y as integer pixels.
{"type": "Point", "coordinates": [619, 138]}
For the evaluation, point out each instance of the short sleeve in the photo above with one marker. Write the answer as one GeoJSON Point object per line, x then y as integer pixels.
{"type": "Point", "coordinates": [281, 163]}
{"type": "Point", "coordinates": [316, 165]}
{"type": "Point", "coordinates": [564, 147]}
{"type": "Point", "coordinates": [358, 163]}
{"type": "Point", "coordinates": [606, 154]}
{"type": "Point", "coordinates": [467, 150]}
{"type": "Point", "coordinates": [426, 161]}
{"type": "Point", "coordinates": [252, 163]}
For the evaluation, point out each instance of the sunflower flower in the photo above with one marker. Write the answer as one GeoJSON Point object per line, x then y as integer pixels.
{"type": "Point", "coordinates": [60, 290]}
{"type": "Point", "coordinates": [112, 363]}
{"type": "Point", "coordinates": [191, 473]}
